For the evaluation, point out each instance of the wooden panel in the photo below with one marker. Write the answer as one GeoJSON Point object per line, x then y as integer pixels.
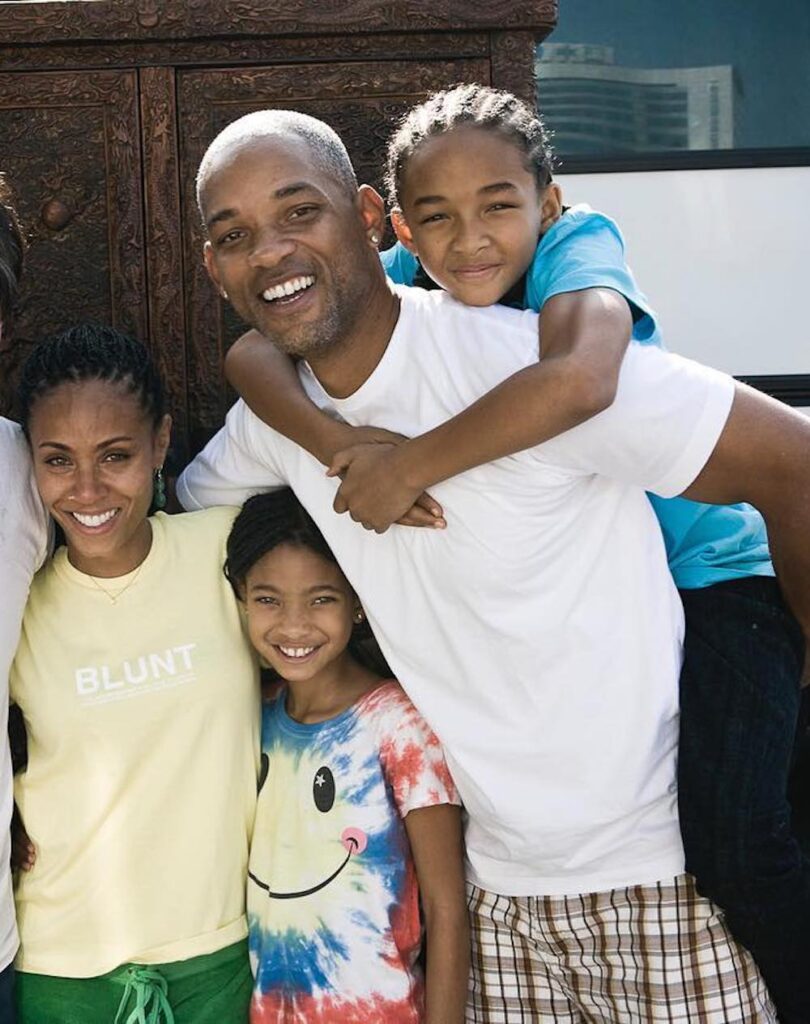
{"type": "Point", "coordinates": [169, 19]}
{"type": "Point", "coordinates": [361, 101]}
{"type": "Point", "coordinates": [253, 50]}
{"type": "Point", "coordinates": [71, 150]}
{"type": "Point", "coordinates": [164, 248]}
{"type": "Point", "coordinates": [513, 56]}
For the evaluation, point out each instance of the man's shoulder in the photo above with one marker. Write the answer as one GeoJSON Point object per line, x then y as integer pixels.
{"type": "Point", "coordinates": [443, 311]}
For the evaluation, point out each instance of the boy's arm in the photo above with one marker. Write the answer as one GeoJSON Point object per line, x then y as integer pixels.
{"type": "Point", "coordinates": [763, 457]}
{"type": "Point", "coordinates": [583, 338]}
{"type": "Point", "coordinates": [268, 382]}
{"type": "Point", "coordinates": [435, 837]}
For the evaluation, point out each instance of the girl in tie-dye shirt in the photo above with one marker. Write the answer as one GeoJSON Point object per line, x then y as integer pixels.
{"type": "Point", "coordinates": [358, 820]}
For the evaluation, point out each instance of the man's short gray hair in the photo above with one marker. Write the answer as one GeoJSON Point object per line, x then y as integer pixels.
{"type": "Point", "coordinates": [328, 151]}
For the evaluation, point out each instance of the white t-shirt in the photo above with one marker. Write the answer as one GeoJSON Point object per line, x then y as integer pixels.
{"type": "Point", "coordinates": [23, 547]}
{"type": "Point", "coordinates": [540, 634]}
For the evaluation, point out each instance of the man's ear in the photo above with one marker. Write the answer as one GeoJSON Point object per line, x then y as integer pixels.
{"type": "Point", "coordinates": [211, 266]}
{"type": "Point", "coordinates": [402, 231]}
{"type": "Point", "coordinates": [551, 206]}
{"type": "Point", "coordinates": [371, 208]}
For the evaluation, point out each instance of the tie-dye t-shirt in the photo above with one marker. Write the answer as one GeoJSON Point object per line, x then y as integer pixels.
{"type": "Point", "coordinates": [333, 903]}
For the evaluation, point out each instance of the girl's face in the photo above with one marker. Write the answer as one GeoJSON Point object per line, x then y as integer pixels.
{"type": "Point", "coordinates": [95, 451]}
{"type": "Point", "coordinates": [301, 612]}
{"type": "Point", "coordinates": [472, 213]}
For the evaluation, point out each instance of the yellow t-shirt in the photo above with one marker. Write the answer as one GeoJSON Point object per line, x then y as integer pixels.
{"type": "Point", "coordinates": [143, 746]}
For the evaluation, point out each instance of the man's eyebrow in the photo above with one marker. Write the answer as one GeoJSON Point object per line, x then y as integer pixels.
{"type": "Point", "coordinates": [297, 186]}
{"type": "Point", "coordinates": [281, 193]}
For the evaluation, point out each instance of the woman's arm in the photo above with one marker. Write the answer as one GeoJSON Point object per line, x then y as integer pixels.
{"type": "Point", "coordinates": [436, 843]}
{"type": "Point", "coordinates": [583, 338]}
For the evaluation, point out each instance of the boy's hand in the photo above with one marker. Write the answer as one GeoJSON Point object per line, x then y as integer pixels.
{"type": "Point", "coordinates": [374, 492]}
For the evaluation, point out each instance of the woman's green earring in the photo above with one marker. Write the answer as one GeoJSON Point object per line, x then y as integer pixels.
{"type": "Point", "coordinates": [159, 492]}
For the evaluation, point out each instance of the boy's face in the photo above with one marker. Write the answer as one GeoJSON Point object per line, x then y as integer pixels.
{"type": "Point", "coordinates": [472, 213]}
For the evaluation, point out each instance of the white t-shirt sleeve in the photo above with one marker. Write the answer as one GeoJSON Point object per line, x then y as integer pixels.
{"type": "Point", "coordinates": [664, 424]}
{"type": "Point", "coordinates": [240, 460]}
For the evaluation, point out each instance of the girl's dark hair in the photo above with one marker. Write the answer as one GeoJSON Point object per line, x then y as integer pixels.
{"type": "Point", "coordinates": [278, 517]}
{"type": "Point", "coordinates": [91, 352]}
{"type": "Point", "coordinates": [11, 255]}
{"type": "Point", "coordinates": [477, 106]}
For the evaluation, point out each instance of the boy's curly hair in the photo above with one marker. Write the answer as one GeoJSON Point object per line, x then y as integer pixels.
{"type": "Point", "coordinates": [478, 106]}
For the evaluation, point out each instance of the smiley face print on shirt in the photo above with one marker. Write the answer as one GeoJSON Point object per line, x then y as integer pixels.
{"type": "Point", "coordinates": [332, 895]}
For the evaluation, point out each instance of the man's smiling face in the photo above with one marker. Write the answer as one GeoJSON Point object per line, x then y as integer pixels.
{"type": "Point", "coordinates": [287, 243]}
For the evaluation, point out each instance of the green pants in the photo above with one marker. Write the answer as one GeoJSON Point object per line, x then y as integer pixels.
{"type": "Point", "coordinates": [210, 989]}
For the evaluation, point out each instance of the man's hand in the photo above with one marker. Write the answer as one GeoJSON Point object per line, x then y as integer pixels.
{"type": "Point", "coordinates": [375, 493]}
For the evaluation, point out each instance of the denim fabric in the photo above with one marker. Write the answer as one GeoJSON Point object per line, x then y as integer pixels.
{"type": "Point", "coordinates": [7, 1012]}
{"type": "Point", "coordinates": [741, 715]}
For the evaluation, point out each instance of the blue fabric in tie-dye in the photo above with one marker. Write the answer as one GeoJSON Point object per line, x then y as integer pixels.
{"type": "Point", "coordinates": [332, 895]}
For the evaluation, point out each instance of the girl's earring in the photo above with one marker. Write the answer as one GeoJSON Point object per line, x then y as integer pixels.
{"type": "Point", "coordinates": [358, 616]}
{"type": "Point", "coordinates": [375, 238]}
{"type": "Point", "coordinates": [224, 294]}
{"type": "Point", "coordinates": [159, 489]}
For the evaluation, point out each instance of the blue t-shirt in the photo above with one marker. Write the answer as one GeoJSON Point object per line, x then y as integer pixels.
{"type": "Point", "coordinates": [705, 544]}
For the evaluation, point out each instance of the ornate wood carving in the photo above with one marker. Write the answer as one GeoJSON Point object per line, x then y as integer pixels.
{"type": "Point", "coordinates": [144, 19]}
{"type": "Point", "coordinates": [361, 101]}
{"type": "Point", "coordinates": [104, 159]}
{"type": "Point", "coordinates": [71, 150]}
{"type": "Point", "coordinates": [513, 55]}
{"type": "Point", "coordinates": [164, 249]}
{"type": "Point", "coordinates": [267, 50]}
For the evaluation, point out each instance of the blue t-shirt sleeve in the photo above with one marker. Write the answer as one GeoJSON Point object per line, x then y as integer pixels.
{"type": "Point", "coordinates": [399, 264]}
{"type": "Point", "coordinates": [586, 250]}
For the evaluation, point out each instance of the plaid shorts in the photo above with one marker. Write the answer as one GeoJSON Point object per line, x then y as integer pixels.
{"type": "Point", "coordinates": [627, 956]}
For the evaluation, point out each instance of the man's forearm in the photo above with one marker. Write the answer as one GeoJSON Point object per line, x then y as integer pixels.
{"type": "Point", "coordinates": [763, 457]}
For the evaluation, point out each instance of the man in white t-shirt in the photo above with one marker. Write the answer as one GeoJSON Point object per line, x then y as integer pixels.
{"type": "Point", "coordinates": [23, 546]}
{"type": "Point", "coordinates": [540, 634]}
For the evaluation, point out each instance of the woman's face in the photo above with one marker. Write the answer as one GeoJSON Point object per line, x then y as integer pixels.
{"type": "Point", "coordinates": [95, 451]}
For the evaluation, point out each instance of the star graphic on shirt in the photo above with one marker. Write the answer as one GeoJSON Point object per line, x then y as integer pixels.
{"type": "Point", "coordinates": [320, 780]}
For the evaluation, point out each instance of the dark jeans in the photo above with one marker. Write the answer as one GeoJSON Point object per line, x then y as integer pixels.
{"type": "Point", "coordinates": [741, 715]}
{"type": "Point", "coordinates": [7, 1014]}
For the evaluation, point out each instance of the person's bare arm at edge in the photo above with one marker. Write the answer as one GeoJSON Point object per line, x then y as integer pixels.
{"type": "Point", "coordinates": [268, 382]}
{"type": "Point", "coordinates": [583, 338]}
{"type": "Point", "coordinates": [435, 837]}
{"type": "Point", "coordinates": [763, 457]}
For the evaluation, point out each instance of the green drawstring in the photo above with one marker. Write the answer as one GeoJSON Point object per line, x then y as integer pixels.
{"type": "Point", "coordinates": [149, 989]}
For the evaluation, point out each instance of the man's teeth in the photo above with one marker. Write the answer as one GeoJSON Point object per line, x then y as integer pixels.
{"type": "Point", "coordinates": [99, 520]}
{"type": "Point", "coordinates": [281, 291]}
{"type": "Point", "coordinates": [295, 652]}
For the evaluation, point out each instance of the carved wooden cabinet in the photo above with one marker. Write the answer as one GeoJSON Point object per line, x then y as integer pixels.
{"type": "Point", "coordinates": [106, 108]}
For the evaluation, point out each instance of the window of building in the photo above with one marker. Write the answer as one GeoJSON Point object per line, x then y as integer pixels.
{"type": "Point", "coordinates": [672, 83]}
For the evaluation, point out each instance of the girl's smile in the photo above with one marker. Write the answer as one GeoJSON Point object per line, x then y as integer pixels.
{"type": "Point", "coordinates": [301, 613]}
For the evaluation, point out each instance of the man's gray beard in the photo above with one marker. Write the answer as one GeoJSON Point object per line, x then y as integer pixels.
{"type": "Point", "coordinates": [326, 336]}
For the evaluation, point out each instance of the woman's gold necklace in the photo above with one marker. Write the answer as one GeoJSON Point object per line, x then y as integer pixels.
{"type": "Point", "coordinates": [115, 596]}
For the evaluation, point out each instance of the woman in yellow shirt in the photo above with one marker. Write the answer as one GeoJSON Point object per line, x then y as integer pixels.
{"type": "Point", "coordinates": [140, 699]}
